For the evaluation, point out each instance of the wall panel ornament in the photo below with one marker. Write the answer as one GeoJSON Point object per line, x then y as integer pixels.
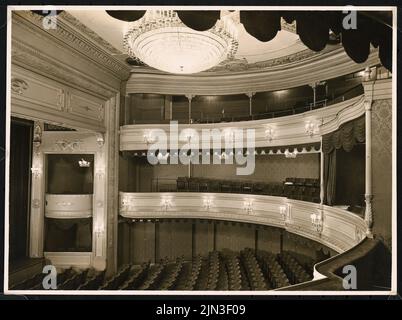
{"type": "Point", "coordinates": [25, 56]}
{"type": "Point", "coordinates": [18, 86]}
{"type": "Point", "coordinates": [69, 146]}
{"type": "Point", "coordinates": [47, 100]}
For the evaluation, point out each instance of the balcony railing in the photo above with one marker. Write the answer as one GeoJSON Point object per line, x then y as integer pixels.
{"type": "Point", "coordinates": [304, 189]}
{"type": "Point", "coordinates": [199, 117]}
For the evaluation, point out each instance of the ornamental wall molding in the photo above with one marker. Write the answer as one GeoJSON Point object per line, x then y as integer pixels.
{"type": "Point", "coordinates": [75, 35]}
{"type": "Point", "coordinates": [318, 67]}
{"type": "Point", "coordinates": [18, 85]}
{"type": "Point", "coordinates": [339, 230]}
{"type": "Point", "coordinates": [70, 142]}
{"type": "Point", "coordinates": [28, 57]}
{"type": "Point", "coordinates": [51, 101]}
{"type": "Point", "coordinates": [69, 146]}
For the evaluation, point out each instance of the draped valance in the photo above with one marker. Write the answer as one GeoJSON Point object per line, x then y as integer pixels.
{"type": "Point", "coordinates": [346, 136]}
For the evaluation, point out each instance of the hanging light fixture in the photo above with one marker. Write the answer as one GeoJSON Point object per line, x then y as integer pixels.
{"type": "Point", "coordinates": [161, 40]}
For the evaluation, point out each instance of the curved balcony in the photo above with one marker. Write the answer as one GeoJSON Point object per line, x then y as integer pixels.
{"type": "Point", "coordinates": [336, 228]}
{"type": "Point", "coordinates": [288, 130]}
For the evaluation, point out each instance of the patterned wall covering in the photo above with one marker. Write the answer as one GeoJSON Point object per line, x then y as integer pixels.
{"type": "Point", "coordinates": [382, 168]}
{"type": "Point", "coordinates": [268, 168]}
{"type": "Point", "coordinates": [272, 168]}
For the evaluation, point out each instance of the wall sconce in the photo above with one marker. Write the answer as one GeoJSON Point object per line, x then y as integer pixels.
{"type": "Point", "coordinates": [317, 221]}
{"type": "Point", "coordinates": [83, 163]}
{"type": "Point", "coordinates": [207, 204]}
{"type": "Point", "coordinates": [125, 202]}
{"type": "Point", "coordinates": [36, 172]}
{"type": "Point", "coordinates": [223, 156]}
{"type": "Point", "coordinates": [163, 157]}
{"type": "Point", "coordinates": [284, 211]}
{"type": "Point", "coordinates": [248, 206]}
{"type": "Point", "coordinates": [270, 133]}
{"type": "Point", "coordinates": [292, 154]}
{"type": "Point", "coordinates": [229, 134]}
{"type": "Point", "coordinates": [149, 138]}
{"type": "Point", "coordinates": [312, 128]}
{"type": "Point", "coordinates": [166, 204]}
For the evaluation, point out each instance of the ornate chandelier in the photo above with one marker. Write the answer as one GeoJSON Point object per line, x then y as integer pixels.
{"type": "Point", "coordinates": [161, 40]}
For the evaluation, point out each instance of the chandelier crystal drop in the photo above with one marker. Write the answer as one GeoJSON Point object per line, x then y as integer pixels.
{"type": "Point", "coordinates": [162, 41]}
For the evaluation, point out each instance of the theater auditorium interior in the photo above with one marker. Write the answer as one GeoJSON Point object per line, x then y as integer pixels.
{"type": "Point", "coordinates": [92, 91]}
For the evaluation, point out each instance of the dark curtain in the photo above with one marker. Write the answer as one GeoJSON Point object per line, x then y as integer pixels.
{"type": "Point", "coordinates": [19, 198]}
{"type": "Point", "coordinates": [346, 137]}
{"type": "Point", "coordinates": [330, 177]}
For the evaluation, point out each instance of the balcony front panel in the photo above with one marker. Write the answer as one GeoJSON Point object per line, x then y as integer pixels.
{"type": "Point", "coordinates": [341, 230]}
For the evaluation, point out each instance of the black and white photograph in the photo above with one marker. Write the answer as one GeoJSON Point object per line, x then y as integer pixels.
{"type": "Point", "coordinates": [200, 150]}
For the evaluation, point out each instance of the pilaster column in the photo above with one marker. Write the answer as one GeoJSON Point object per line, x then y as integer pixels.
{"type": "Point", "coordinates": [36, 233]}
{"type": "Point", "coordinates": [314, 87]}
{"type": "Point", "coordinates": [250, 97]}
{"type": "Point", "coordinates": [368, 215]}
{"type": "Point", "coordinates": [168, 107]}
{"type": "Point", "coordinates": [189, 97]}
{"type": "Point", "coordinates": [321, 175]}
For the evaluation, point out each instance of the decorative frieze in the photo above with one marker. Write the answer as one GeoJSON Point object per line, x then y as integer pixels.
{"type": "Point", "coordinates": [66, 145]}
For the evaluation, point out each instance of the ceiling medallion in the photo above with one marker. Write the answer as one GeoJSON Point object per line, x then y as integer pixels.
{"type": "Point", "coordinates": [162, 41]}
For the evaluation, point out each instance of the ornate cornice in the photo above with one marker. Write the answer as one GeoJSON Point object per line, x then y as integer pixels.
{"type": "Point", "coordinates": [240, 65]}
{"type": "Point", "coordinates": [89, 33]}
{"type": "Point", "coordinates": [71, 35]}
{"type": "Point", "coordinates": [291, 27]}
{"type": "Point", "coordinates": [301, 71]}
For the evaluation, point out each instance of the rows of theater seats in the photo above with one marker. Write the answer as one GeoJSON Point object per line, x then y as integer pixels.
{"type": "Point", "coordinates": [305, 189]}
{"type": "Point", "coordinates": [302, 189]}
{"type": "Point", "coordinates": [68, 279]}
{"type": "Point", "coordinates": [219, 270]}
